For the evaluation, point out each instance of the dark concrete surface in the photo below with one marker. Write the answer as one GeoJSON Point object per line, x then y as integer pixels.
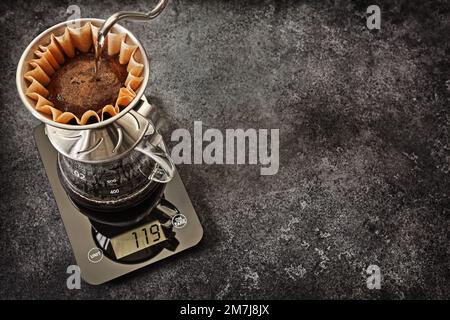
{"type": "Point", "coordinates": [364, 151]}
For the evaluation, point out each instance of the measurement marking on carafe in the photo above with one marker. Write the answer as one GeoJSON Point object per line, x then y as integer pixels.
{"type": "Point", "coordinates": [91, 149]}
{"type": "Point", "coordinates": [79, 175]}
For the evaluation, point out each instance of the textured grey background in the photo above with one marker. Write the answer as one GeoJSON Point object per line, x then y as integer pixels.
{"type": "Point", "coordinates": [365, 155]}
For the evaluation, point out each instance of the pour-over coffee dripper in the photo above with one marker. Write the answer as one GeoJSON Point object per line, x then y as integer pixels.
{"type": "Point", "coordinates": [92, 154]}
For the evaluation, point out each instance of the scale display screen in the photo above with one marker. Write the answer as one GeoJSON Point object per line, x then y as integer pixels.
{"type": "Point", "coordinates": [137, 239]}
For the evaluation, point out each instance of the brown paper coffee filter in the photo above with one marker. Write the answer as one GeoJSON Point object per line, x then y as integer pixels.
{"type": "Point", "coordinates": [51, 57]}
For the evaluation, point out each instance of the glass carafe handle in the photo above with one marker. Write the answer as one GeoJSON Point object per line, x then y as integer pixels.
{"type": "Point", "coordinates": [164, 169]}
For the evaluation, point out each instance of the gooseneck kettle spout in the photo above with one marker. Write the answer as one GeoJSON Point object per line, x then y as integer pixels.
{"type": "Point", "coordinates": [124, 15]}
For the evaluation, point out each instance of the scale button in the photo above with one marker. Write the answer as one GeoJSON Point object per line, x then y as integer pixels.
{"type": "Point", "coordinates": [95, 255]}
{"type": "Point", "coordinates": [179, 221]}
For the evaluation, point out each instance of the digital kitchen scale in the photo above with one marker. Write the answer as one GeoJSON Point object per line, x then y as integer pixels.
{"type": "Point", "coordinates": [105, 252]}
